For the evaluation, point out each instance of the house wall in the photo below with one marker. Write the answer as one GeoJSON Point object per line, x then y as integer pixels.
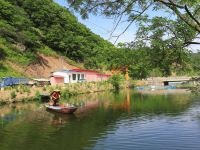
{"type": "Point", "coordinates": [74, 76]}
{"type": "Point", "coordinates": [67, 78]}
{"type": "Point", "coordinates": [96, 77]}
{"type": "Point", "coordinates": [62, 74]}
{"type": "Point", "coordinates": [57, 80]}
{"type": "Point", "coordinates": [106, 77]}
{"type": "Point", "coordinates": [99, 78]}
{"type": "Point", "coordinates": [102, 78]}
{"type": "Point", "coordinates": [91, 77]}
{"type": "Point", "coordinates": [70, 77]}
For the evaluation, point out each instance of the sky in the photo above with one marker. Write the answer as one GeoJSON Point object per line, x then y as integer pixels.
{"type": "Point", "coordinates": [103, 26]}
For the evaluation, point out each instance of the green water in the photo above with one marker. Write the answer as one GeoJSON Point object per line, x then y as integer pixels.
{"type": "Point", "coordinates": [125, 120]}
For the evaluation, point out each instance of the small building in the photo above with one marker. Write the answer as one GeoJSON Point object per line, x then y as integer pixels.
{"type": "Point", "coordinates": [39, 82]}
{"type": "Point", "coordinates": [76, 75]}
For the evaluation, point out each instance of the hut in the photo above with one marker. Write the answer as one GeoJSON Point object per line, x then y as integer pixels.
{"type": "Point", "coordinates": [76, 75]}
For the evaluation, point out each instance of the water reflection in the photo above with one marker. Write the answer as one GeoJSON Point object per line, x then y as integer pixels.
{"type": "Point", "coordinates": [100, 116]}
{"type": "Point", "coordinates": [60, 119]}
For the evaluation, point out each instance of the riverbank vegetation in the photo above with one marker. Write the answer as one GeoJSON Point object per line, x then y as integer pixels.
{"type": "Point", "coordinates": [26, 93]}
{"type": "Point", "coordinates": [116, 81]}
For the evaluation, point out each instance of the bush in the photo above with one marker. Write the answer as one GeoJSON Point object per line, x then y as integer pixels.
{"type": "Point", "coordinates": [37, 95]}
{"type": "Point", "coordinates": [13, 95]}
{"type": "Point", "coordinates": [116, 80]}
{"type": "Point", "coordinates": [26, 89]}
{"type": "Point", "coordinates": [65, 94]}
{"type": "Point", "coordinates": [44, 88]}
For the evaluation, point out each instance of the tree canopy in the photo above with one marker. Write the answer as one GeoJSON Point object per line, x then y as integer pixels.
{"type": "Point", "coordinates": [136, 10]}
{"type": "Point", "coordinates": [30, 27]}
{"type": "Point", "coordinates": [161, 43]}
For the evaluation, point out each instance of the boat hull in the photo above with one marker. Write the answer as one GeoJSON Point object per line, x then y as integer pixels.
{"type": "Point", "coordinates": [64, 110]}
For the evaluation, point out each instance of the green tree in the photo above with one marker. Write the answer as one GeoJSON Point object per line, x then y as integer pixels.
{"type": "Point", "coordinates": [166, 41]}
{"type": "Point", "coordinates": [186, 10]}
{"type": "Point", "coordinates": [116, 80]}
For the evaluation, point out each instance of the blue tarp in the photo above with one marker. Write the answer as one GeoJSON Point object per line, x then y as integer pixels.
{"type": "Point", "coordinates": [10, 81]}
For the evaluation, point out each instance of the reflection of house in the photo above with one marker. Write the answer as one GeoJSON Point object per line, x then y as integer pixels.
{"type": "Point", "coordinates": [77, 75]}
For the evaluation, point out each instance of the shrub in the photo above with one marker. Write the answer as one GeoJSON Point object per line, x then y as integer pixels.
{"type": "Point", "coordinates": [37, 95]}
{"type": "Point", "coordinates": [65, 94]}
{"type": "Point", "coordinates": [26, 89]}
{"type": "Point", "coordinates": [116, 80]}
{"type": "Point", "coordinates": [13, 95]}
{"type": "Point", "coordinates": [44, 88]}
{"type": "Point", "coordinates": [17, 89]}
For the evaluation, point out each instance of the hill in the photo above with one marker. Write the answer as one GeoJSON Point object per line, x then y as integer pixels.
{"type": "Point", "coordinates": [34, 31]}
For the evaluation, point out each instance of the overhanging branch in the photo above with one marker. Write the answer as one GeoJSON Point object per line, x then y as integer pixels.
{"type": "Point", "coordinates": [117, 36]}
{"type": "Point", "coordinates": [190, 14]}
{"type": "Point", "coordinates": [191, 43]}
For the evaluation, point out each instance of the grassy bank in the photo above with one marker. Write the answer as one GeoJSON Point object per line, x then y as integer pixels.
{"type": "Point", "coordinates": [25, 93]}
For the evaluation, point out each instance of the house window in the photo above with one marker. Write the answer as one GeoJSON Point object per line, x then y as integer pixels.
{"type": "Point", "coordinates": [82, 76]}
{"type": "Point", "coordinates": [74, 76]}
{"type": "Point", "coordinates": [79, 76]}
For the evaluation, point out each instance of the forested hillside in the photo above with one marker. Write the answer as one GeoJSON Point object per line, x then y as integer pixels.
{"type": "Point", "coordinates": [36, 34]}
{"type": "Point", "coordinates": [29, 28]}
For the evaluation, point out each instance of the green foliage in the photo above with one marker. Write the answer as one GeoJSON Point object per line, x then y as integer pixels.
{"type": "Point", "coordinates": [37, 95]}
{"type": "Point", "coordinates": [116, 80]}
{"type": "Point", "coordinates": [161, 41]}
{"type": "Point", "coordinates": [65, 94]}
{"type": "Point", "coordinates": [26, 89]}
{"type": "Point", "coordinates": [195, 62]}
{"type": "Point", "coordinates": [196, 88]}
{"type": "Point", "coordinates": [6, 70]}
{"type": "Point", "coordinates": [166, 42]}
{"type": "Point", "coordinates": [13, 95]}
{"type": "Point", "coordinates": [156, 72]}
{"type": "Point", "coordinates": [30, 27]}
{"type": "Point", "coordinates": [138, 10]}
{"type": "Point", "coordinates": [47, 51]}
{"type": "Point", "coordinates": [44, 88]}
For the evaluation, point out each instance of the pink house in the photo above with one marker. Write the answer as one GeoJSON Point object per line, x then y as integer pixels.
{"type": "Point", "coordinates": [91, 75]}
{"type": "Point", "coordinates": [77, 75]}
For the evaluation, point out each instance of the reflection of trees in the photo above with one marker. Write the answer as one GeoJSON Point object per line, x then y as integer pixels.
{"type": "Point", "coordinates": [161, 104]}
{"type": "Point", "coordinates": [74, 134]}
{"type": "Point", "coordinates": [38, 128]}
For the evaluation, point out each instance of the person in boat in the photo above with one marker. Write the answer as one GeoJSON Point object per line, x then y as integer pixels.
{"type": "Point", "coordinates": [55, 97]}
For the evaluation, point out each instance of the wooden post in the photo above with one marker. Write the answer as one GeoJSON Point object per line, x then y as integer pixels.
{"type": "Point", "coordinates": [113, 70]}
{"type": "Point", "coordinates": [127, 76]}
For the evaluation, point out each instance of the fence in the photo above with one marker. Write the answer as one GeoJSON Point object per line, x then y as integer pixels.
{"type": "Point", "coordinates": [11, 81]}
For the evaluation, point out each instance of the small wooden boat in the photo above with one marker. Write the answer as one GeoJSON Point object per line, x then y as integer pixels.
{"type": "Point", "coordinates": [66, 109]}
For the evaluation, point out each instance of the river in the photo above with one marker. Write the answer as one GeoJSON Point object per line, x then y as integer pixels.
{"type": "Point", "coordinates": [167, 120]}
